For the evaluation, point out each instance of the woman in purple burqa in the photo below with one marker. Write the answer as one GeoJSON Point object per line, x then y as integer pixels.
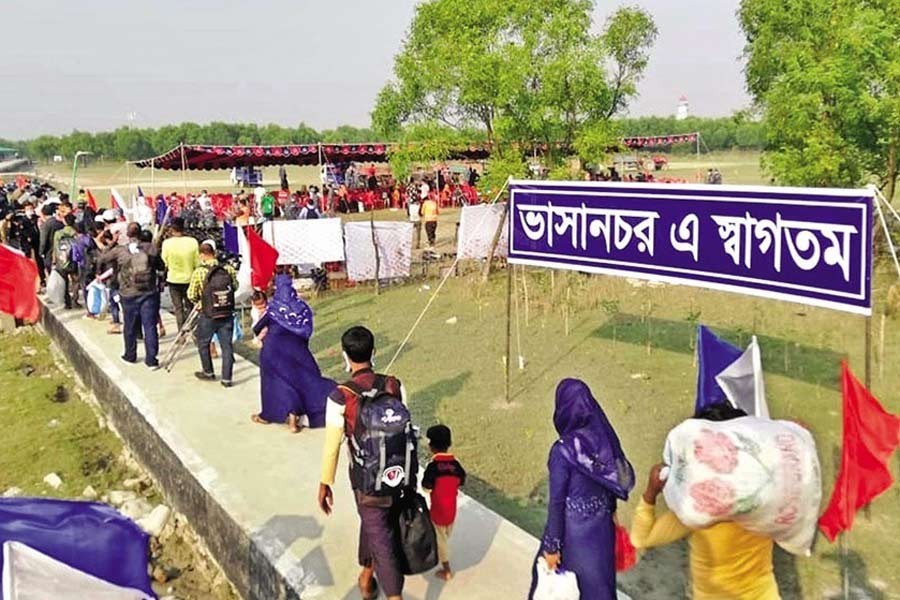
{"type": "Point", "coordinates": [292, 384]}
{"type": "Point", "coordinates": [588, 475]}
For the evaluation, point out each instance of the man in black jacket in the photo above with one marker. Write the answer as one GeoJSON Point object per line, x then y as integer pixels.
{"type": "Point", "coordinates": [137, 264]}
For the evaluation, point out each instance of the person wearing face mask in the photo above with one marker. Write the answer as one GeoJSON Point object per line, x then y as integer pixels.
{"type": "Point", "coordinates": [292, 388]}
{"type": "Point", "coordinates": [378, 554]}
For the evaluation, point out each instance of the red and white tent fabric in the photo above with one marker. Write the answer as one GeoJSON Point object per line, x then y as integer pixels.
{"type": "Point", "coordinates": [206, 157]}
{"type": "Point", "coordinates": [653, 141]}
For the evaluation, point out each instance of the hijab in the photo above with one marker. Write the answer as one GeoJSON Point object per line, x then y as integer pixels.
{"type": "Point", "coordinates": [288, 310]}
{"type": "Point", "coordinates": [589, 442]}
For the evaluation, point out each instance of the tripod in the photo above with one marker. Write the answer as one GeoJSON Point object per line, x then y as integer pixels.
{"type": "Point", "coordinates": [181, 340]}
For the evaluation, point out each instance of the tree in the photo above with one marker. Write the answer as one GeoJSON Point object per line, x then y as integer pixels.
{"type": "Point", "coordinates": [827, 77]}
{"type": "Point", "coordinates": [523, 71]}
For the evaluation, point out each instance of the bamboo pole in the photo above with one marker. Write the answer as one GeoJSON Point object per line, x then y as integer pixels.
{"type": "Point", "coordinates": [508, 358]}
{"type": "Point", "coordinates": [377, 256]}
{"type": "Point", "coordinates": [520, 358]}
{"type": "Point", "coordinates": [525, 289]}
{"type": "Point", "coordinates": [486, 272]}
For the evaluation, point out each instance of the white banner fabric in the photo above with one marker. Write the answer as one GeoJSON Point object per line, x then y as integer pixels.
{"type": "Point", "coordinates": [477, 226]}
{"type": "Point", "coordinates": [394, 240]}
{"type": "Point", "coordinates": [307, 242]}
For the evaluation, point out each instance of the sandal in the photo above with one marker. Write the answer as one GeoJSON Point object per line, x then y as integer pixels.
{"type": "Point", "coordinates": [258, 420]}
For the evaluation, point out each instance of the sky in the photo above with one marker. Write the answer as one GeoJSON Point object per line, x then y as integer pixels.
{"type": "Point", "coordinates": [89, 64]}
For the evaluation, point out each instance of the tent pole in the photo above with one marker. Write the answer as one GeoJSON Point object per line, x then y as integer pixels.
{"type": "Point", "coordinates": [183, 171]}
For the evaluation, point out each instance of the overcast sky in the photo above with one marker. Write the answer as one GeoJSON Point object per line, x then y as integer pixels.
{"type": "Point", "coordinates": [87, 64]}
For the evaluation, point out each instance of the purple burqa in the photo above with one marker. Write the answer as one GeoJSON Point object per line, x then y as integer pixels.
{"type": "Point", "coordinates": [588, 474]}
{"type": "Point", "coordinates": [290, 379]}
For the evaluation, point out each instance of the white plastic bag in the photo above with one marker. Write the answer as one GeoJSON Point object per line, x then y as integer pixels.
{"type": "Point", "coordinates": [555, 585]}
{"type": "Point", "coordinates": [97, 301]}
{"type": "Point", "coordinates": [762, 474]}
{"type": "Point", "coordinates": [56, 288]}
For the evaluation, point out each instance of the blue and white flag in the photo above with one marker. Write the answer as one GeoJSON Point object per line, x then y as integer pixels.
{"type": "Point", "coordinates": [66, 549]}
{"type": "Point", "coordinates": [724, 372]}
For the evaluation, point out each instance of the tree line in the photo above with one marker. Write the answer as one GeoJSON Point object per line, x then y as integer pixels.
{"type": "Point", "coordinates": [127, 143]}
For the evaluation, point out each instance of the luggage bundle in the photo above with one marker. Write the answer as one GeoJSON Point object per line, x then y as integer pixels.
{"type": "Point", "coordinates": [762, 474]}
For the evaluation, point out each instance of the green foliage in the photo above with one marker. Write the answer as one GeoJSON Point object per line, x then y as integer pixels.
{"type": "Point", "coordinates": [131, 144]}
{"type": "Point", "coordinates": [827, 76]}
{"type": "Point", "coordinates": [421, 144]}
{"type": "Point", "coordinates": [523, 71]}
{"type": "Point", "coordinates": [498, 170]}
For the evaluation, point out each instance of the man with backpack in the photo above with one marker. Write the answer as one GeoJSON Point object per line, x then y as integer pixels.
{"type": "Point", "coordinates": [370, 410]}
{"type": "Point", "coordinates": [137, 265]}
{"type": "Point", "coordinates": [64, 259]}
{"type": "Point", "coordinates": [213, 286]}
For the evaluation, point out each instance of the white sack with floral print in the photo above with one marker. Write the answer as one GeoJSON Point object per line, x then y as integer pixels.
{"type": "Point", "coordinates": [764, 475]}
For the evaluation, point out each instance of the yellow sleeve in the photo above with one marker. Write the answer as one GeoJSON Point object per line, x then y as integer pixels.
{"type": "Point", "coordinates": [334, 435]}
{"type": "Point", "coordinates": [648, 531]}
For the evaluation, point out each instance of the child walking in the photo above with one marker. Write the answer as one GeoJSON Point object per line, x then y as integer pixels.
{"type": "Point", "coordinates": [443, 478]}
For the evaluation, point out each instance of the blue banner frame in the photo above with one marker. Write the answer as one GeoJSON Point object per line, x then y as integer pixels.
{"type": "Point", "coordinates": [806, 245]}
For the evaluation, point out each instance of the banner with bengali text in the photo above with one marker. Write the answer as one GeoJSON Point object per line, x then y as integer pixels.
{"type": "Point", "coordinates": [806, 245]}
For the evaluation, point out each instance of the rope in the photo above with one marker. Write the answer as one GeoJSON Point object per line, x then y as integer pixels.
{"type": "Point", "coordinates": [887, 234]}
{"type": "Point", "coordinates": [434, 295]}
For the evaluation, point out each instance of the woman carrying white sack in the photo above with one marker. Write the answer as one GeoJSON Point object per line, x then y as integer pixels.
{"type": "Point", "coordinates": [726, 560]}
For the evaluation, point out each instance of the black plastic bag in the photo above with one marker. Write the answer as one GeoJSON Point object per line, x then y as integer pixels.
{"type": "Point", "coordinates": [415, 538]}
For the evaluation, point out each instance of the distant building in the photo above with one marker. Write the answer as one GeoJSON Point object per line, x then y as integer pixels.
{"type": "Point", "coordinates": [684, 109]}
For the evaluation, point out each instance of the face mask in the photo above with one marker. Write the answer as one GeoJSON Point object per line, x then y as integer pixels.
{"type": "Point", "coordinates": [347, 366]}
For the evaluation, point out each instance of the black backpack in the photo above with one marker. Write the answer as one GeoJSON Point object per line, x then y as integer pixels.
{"type": "Point", "coordinates": [383, 457]}
{"type": "Point", "coordinates": [139, 270]}
{"type": "Point", "coordinates": [415, 540]}
{"type": "Point", "coordinates": [65, 244]}
{"type": "Point", "coordinates": [218, 293]}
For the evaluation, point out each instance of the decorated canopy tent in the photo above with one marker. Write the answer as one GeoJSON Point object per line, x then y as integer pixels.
{"type": "Point", "coordinates": [206, 157]}
{"type": "Point", "coordinates": [209, 157]}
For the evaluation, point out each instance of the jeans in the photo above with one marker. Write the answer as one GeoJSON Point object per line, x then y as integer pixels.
{"type": "Point", "coordinates": [376, 546]}
{"type": "Point", "coordinates": [141, 312]}
{"type": "Point", "coordinates": [181, 306]}
{"type": "Point", "coordinates": [224, 330]}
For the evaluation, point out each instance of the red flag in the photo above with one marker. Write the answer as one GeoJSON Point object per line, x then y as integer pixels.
{"type": "Point", "coordinates": [263, 258]}
{"type": "Point", "coordinates": [21, 182]}
{"type": "Point", "coordinates": [18, 285]}
{"type": "Point", "coordinates": [91, 201]}
{"type": "Point", "coordinates": [871, 435]}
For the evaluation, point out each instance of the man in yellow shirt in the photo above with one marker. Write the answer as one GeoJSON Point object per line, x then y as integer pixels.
{"type": "Point", "coordinates": [727, 561]}
{"type": "Point", "coordinates": [181, 254]}
{"type": "Point", "coordinates": [429, 211]}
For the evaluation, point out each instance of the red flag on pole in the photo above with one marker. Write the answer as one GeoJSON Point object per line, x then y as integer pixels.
{"type": "Point", "coordinates": [263, 258]}
{"type": "Point", "coordinates": [92, 202]}
{"type": "Point", "coordinates": [871, 435]}
{"type": "Point", "coordinates": [18, 285]}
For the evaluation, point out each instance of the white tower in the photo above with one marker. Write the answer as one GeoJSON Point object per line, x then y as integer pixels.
{"type": "Point", "coordinates": [684, 109]}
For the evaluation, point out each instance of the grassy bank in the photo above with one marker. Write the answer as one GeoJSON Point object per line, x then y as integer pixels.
{"type": "Point", "coordinates": [49, 427]}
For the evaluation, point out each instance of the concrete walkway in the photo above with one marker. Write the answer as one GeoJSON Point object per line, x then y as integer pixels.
{"type": "Point", "coordinates": [250, 490]}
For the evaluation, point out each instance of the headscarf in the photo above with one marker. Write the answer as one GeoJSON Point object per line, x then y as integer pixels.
{"type": "Point", "coordinates": [288, 310]}
{"type": "Point", "coordinates": [589, 443]}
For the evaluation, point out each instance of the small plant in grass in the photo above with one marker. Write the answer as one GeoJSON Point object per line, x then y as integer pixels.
{"type": "Point", "coordinates": [611, 308]}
